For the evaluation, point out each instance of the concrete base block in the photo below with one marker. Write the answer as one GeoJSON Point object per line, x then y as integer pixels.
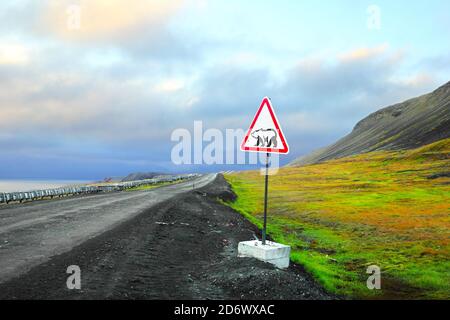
{"type": "Point", "coordinates": [274, 253]}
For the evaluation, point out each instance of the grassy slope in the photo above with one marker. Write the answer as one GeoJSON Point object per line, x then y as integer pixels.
{"type": "Point", "coordinates": [377, 208]}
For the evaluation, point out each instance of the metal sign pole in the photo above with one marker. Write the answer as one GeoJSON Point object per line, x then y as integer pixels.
{"type": "Point", "coordinates": [264, 232]}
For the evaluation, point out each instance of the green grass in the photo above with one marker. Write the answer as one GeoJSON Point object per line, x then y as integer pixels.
{"type": "Point", "coordinates": [343, 215]}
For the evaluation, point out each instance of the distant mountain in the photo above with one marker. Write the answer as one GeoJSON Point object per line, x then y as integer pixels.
{"type": "Point", "coordinates": [141, 176]}
{"type": "Point", "coordinates": [407, 125]}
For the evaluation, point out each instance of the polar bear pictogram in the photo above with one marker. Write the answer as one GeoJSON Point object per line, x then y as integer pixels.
{"type": "Point", "coordinates": [265, 138]}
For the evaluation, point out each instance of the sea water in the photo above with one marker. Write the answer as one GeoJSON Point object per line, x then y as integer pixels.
{"type": "Point", "coordinates": [29, 185]}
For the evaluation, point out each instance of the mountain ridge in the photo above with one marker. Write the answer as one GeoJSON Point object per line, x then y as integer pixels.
{"type": "Point", "coordinates": [406, 125]}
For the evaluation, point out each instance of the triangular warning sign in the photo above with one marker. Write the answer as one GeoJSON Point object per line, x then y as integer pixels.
{"type": "Point", "coordinates": [265, 134]}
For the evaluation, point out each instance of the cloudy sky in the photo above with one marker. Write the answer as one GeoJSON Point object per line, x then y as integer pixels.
{"type": "Point", "coordinates": [94, 88]}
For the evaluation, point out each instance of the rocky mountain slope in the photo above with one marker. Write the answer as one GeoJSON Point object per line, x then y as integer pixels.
{"type": "Point", "coordinates": [140, 176]}
{"type": "Point", "coordinates": [407, 125]}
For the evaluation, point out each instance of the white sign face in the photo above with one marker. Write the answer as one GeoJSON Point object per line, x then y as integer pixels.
{"type": "Point", "coordinates": [265, 134]}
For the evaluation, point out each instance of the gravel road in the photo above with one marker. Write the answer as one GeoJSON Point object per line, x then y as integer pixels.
{"type": "Point", "coordinates": [33, 232]}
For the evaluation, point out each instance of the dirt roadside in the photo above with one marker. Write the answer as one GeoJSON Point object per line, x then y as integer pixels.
{"type": "Point", "coordinates": [183, 248]}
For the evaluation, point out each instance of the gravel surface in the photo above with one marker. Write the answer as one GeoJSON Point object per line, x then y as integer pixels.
{"type": "Point", "coordinates": [31, 233]}
{"type": "Point", "coordinates": [181, 248]}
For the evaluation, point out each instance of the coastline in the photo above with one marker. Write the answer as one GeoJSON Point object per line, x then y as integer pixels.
{"type": "Point", "coordinates": [24, 185]}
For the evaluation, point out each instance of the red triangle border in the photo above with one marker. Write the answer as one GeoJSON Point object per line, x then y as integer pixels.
{"type": "Point", "coordinates": [285, 150]}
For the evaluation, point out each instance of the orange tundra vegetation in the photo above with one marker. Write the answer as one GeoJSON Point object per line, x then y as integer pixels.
{"type": "Point", "coordinates": [388, 208]}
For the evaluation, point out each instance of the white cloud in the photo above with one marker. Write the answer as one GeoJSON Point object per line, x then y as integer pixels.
{"type": "Point", "coordinates": [364, 53]}
{"type": "Point", "coordinates": [107, 19]}
{"type": "Point", "coordinates": [14, 54]}
{"type": "Point", "coordinates": [169, 86]}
